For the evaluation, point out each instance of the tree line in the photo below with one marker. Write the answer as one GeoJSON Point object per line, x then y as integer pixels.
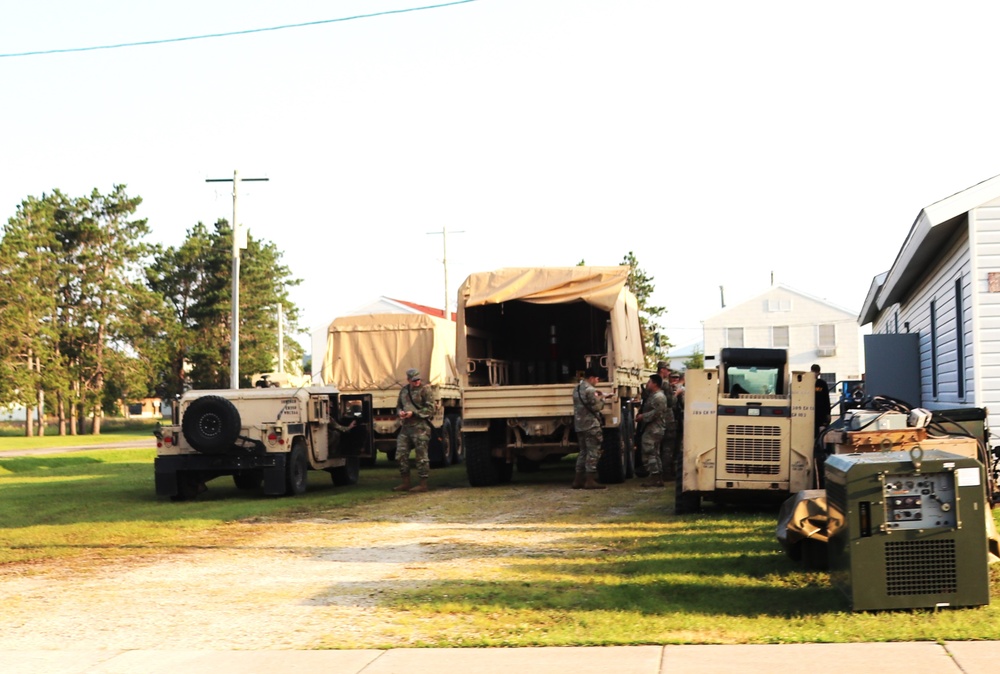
{"type": "Point", "coordinates": [93, 314]}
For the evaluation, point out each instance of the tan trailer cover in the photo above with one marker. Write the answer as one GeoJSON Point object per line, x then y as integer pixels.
{"type": "Point", "coordinates": [602, 287]}
{"type": "Point", "coordinates": [374, 351]}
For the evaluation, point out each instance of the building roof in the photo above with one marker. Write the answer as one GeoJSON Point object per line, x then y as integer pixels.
{"type": "Point", "coordinates": [781, 286]}
{"type": "Point", "coordinates": [933, 227]}
{"type": "Point", "coordinates": [687, 351]}
{"type": "Point", "coordinates": [388, 305]}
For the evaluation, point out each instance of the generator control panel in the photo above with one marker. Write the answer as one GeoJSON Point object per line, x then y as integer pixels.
{"type": "Point", "coordinates": [919, 501]}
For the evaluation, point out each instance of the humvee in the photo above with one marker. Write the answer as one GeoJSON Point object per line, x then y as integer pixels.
{"type": "Point", "coordinates": [265, 438]}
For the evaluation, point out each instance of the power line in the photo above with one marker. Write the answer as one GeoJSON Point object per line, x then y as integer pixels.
{"type": "Point", "coordinates": [232, 33]}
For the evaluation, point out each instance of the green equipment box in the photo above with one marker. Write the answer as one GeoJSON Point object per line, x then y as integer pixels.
{"type": "Point", "coordinates": [910, 529]}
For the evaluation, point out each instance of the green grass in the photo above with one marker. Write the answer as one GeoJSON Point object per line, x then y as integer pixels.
{"type": "Point", "coordinates": [112, 431]}
{"type": "Point", "coordinates": [101, 503]}
{"type": "Point", "coordinates": [609, 575]}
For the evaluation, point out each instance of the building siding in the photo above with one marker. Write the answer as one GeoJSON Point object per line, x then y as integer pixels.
{"type": "Point", "coordinates": [939, 286]}
{"type": "Point", "coordinates": [985, 225]}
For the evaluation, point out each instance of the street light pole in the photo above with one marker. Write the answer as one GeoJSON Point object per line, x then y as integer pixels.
{"type": "Point", "coordinates": [239, 243]}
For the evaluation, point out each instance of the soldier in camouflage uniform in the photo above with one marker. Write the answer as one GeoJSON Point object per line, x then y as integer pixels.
{"type": "Point", "coordinates": [587, 421]}
{"type": "Point", "coordinates": [654, 417]}
{"type": "Point", "coordinates": [668, 446]}
{"type": "Point", "coordinates": [415, 407]}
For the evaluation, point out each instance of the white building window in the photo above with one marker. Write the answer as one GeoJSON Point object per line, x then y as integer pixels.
{"type": "Point", "coordinates": [734, 337]}
{"type": "Point", "coordinates": [779, 336]}
{"type": "Point", "coordinates": [779, 305]}
{"type": "Point", "coordinates": [827, 336]}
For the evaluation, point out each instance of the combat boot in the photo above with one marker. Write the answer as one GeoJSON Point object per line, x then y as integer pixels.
{"type": "Point", "coordinates": [422, 487]}
{"type": "Point", "coordinates": [578, 480]}
{"type": "Point", "coordinates": [405, 486]}
{"type": "Point", "coordinates": [592, 483]}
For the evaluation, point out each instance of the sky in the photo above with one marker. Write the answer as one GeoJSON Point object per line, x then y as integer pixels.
{"type": "Point", "coordinates": [724, 143]}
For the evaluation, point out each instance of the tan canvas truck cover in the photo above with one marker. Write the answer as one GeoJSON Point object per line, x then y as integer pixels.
{"type": "Point", "coordinates": [374, 351]}
{"type": "Point", "coordinates": [601, 287]}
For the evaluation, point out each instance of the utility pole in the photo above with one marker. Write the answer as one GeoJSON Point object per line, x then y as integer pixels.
{"type": "Point", "coordinates": [239, 243]}
{"type": "Point", "coordinates": [281, 338]}
{"type": "Point", "coordinates": [444, 261]}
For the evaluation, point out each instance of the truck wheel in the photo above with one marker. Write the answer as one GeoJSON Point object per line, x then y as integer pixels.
{"type": "Point", "coordinates": [297, 469]}
{"type": "Point", "coordinates": [347, 474]}
{"type": "Point", "coordinates": [188, 486]}
{"type": "Point", "coordinates": [457, 446]}
{"type": "Point", "coordinates": [611, 466]}
{"type": "Point", "coordinates": [390, 454]}
{"type": "Point", "coordinates": [479, 464]}
{"type": "Point", "coordinates": [248, 480]}
{"type": "Point", "coordinates": [526, 465]}
{"type": "Point", "coordinates": [211, 424]}
{"type": "Point", "coordinates": [440, 448]}
{"type": "Point", "coordinates": [685, 502]}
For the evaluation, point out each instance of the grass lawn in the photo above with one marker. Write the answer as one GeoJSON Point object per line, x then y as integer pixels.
{"type": "Point", "coordinates": [621, 569]}
{"type": "Point", "coordinates": [112, 431]}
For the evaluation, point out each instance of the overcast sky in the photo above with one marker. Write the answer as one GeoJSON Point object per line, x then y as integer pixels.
{"type": "Point", "coordinates": [720, 141]}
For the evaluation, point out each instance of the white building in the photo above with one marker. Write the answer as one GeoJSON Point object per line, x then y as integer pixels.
{"type": "Point", "coordinates": [811, 329]}
{"type": "Point", "coordinates": [943, 292]}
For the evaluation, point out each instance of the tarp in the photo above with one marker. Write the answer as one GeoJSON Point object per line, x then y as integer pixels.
{"type": "Point", "coordinates": [598, 286]}
{"type": "Point", "coordinates": [601, 287]}
{"type": "Point", "coordinates": [374, 351]}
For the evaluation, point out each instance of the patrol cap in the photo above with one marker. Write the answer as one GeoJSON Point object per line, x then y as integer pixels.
{"type": "Point", "coordinates": [412, 374]}
{"type": "Point", "coordinates": [662, 365]}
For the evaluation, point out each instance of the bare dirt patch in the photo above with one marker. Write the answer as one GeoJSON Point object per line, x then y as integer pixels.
{"type": "Point", "coordinates": [301, 583]}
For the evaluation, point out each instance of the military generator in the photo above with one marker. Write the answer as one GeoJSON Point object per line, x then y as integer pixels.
{"type": "Point", "coordinates": [908, 529]}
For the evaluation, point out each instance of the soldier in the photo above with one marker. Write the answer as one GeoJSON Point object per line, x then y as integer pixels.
{"type": "Point", "coordinates": [415, 407]}
{"type": "Point", "coordinates": [587, 405]}
{"type": "Point", "coordinates": [669, 442]}
{"type": "Point", "coordinates": [654, 418]}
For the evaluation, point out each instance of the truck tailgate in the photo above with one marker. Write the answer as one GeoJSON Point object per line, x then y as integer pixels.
{"type": "Point", "coordinates": [508, 402]}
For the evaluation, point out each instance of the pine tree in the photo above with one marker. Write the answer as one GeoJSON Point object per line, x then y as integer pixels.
{"type": "Point", "coordinates": [641, 285]}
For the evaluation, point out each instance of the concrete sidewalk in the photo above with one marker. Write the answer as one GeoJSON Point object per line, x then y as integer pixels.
{"type": "Point", "coordinates": [957, 657]}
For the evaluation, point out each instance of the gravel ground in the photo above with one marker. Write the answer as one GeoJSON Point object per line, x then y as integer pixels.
{"type": "Point", "coordinates": [296, 584]}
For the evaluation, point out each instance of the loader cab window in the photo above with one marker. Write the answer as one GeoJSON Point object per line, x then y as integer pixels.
{"type": "Point", "coordinates": [754, 380]}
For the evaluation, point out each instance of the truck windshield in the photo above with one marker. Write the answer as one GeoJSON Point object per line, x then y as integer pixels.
{"type": "Point", "coordinates": [753, 380]}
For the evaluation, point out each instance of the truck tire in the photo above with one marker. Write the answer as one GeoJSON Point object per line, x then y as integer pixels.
{"type": "Point", "coordinates": [211, 424]}
{"type": "Point", "coordinates": [297, 469]}
{"type": "Point", "coordinates": [685, 502]}
{"type": "Point", "coordinates": [611, 466]}
{"type": "Point", "coordinates": [440, 447]}
{"type": "Point", "coordinates": [188, 486]}
{"type": "Point", "coordinates": [347, 474]}
{"type": "Point", "coordinates": [504, 470]}
{"type": "Point", "coordinates": [248, 480]}
{"type": "Point", "coordinates": [479, 465]}
{"type": "Point", "coordinates": [391, 455]}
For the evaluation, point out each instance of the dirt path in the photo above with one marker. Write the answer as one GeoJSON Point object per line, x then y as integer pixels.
{"type": "Point", "coordinates": [300, 583]}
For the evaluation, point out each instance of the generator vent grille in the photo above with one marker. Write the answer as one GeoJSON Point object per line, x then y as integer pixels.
{"type": "Point", "coordinates": [920, 567]}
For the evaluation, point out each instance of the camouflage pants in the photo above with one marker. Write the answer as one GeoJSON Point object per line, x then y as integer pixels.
{"type": "Point", "coordinates": [651, 445]}
{"type": "Point", "coordinates": [416, 437]}
{"type": "Point", "coordinates": [668, 448]}
{"type": "Point", "coordinates": [590, 450]}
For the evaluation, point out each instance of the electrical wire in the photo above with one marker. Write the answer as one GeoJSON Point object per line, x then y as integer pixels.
{"type": "Point", "coordinates": [248, 31]}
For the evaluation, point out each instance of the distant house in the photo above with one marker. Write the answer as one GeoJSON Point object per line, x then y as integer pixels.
{"type": "Point", "coordinates": [811, 329]}
{"type": "Point", "coordinates": [678, 356]}
{"type": "Point", "coordinates": [942, 298]}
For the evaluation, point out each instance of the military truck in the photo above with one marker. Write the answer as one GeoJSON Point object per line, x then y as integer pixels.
{"type": "Point", "coordinates": [265, 438]}
{"type": "Point", "coordinates": [370, 354]}
{"type": "Point", "coordinates": [525, 336]}
{"type": "Point", "coordinates": [748, 430]}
